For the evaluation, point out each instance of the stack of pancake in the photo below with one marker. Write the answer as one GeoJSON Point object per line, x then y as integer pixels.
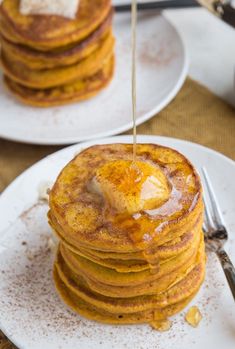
{"type": "Point", "coordinates": [51, 60]}
{"type": "Point", "coordinates": [131, 248]}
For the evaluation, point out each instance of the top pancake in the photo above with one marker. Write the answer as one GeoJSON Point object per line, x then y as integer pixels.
{"type": "Point", "coordinates": [81, 218]}
{"type": "Point", "coordinates": [45, 32]}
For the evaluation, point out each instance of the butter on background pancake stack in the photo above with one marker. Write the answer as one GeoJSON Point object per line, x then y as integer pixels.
{"type": "Point", "coordinates": [131, 245]}
{"type": "Point", "coordinates": [51, 60]}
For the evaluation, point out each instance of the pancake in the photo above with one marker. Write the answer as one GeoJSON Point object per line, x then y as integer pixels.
{"type": "Point", "coordinates": [171, 235]}
{"type": "Point", "coordinates": [131, 244]}
{"type": "Point", "coordinates": [93, 313]}
{"type": "Point", "coordinates": [137, 310]}
{"type": "Point", "coordinates": [133, 262]}
{"type": "Point", "coordinates": [177, 292]}
{"type": "Point", "coordinates": [112, 277]}
{"type": "Point", "coordinates": [48, 78]}
{"type": "Point", "coordinates": [108, 275]}
{"type": "Point", "coordinates": [63, 56]}
{"type": "Point", "coordinates": [148, 288]}
{"type": "Point", "coordinates": [74, 92]}
{"type": "Point", "coordinates": [81, 218]}
{"type": "Point", "coordinates": [43, 32]}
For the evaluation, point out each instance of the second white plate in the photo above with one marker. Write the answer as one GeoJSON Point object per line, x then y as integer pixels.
{"type": "Point", "coordinates": [161, 71]}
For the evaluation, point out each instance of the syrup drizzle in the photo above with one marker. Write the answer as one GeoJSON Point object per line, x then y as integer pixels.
{"type": "Point", "coordinates": [152, 267]}
{"type": "Point", "coordinates": [133, 82]}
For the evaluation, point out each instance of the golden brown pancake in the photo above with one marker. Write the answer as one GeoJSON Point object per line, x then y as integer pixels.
{"type": "Point", "coordinates": [64, 56]}
{"type": "Point", "coordinates": [160, 240]}
{"type": "Point", "coordinates": [76, 282]}
{"type": "Point", "coordinates": [131, 243]}
{"type": "Point", "coordinates": [93, 313]}
{"type": "Point", "coordinates": [43, 32]}
{"type": "Point", "coordinates": [65, 60]}
{"type": "Point", "coordinates": [148, 288]}
{"type": "Point", "coordinates": [47, 78]}
{"type": "Point", "coordinates": [133, 262]}
{"type": "Point", "coordinates": [82, 219]}
{"type": "Point", "coordinates": [112, 277]}
{"type": "Point", "coordinates": [74, 92]}
{"type": "Point", "coordinates": [128, 310]}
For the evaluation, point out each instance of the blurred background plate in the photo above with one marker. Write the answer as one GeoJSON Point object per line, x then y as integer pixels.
{"type": "Point", "coordinates": [161, 68]}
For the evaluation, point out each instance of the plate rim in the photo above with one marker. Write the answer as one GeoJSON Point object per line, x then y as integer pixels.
{"type": "Point", "coordinates": [124, 138]}
{"type": "Point", "coordinates": [65, 141]}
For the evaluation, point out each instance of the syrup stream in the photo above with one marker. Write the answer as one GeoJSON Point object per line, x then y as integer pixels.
{"type": "Point", "coordinates": [133, 83]}
{"type": "Point", "coordinates": [152, 267]}
{"type": "Point", "coordinates": [147, 255]}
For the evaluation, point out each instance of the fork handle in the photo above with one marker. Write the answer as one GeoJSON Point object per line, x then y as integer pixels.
{"type": "Point", "coordinates": [160, 5]}
{"type": "Point", "coordinates": [228, 269]}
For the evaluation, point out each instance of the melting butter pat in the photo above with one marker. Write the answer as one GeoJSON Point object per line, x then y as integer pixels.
{"type": "Point", "coordinates": [193, 316]}
{"type": "Point", "coordinates": [63, 8]}
{"type": "Point", "coordinates": [132, 187]}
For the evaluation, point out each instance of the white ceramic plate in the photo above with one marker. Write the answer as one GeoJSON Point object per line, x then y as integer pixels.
{"type": "Point", "coordinates": [32, 314]}
{"type": "Point", "coordinates": [161, 71]}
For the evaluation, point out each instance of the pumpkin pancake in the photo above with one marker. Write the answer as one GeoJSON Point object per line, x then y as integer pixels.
{"type": "Point", "coordinates": [158, 285]}
{"type": "Point", "coordinates": [131, 243]}
{"type": "Point", "coordinates": [165, 239]}
{"type": "Point", "coordinates": [63, 56]}
{"type": "Point", "coordinates": [43, 32]}
{"type": "Point", "coordinates": [76, 91]}
{"type": "Point", "coordinates": [80, 217]}
{"type": "Point", "coordinates": [128, 305]}
{"type": "Point", "coordinates": [43, 79]}
{"type": "Point", "coordinates": [133, 262]}
{"type": "Point", "coordinates": [130, 310]}
{"type": "Point", "coordinates": [111, 277]}
{"type": "Point", "coordinates": [93, 313]}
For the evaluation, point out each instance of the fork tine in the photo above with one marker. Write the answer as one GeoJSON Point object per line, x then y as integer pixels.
{"type": "Point", "coordinates": [204, 227]}
{"type": "Point", "coordinates": [208, 221]}
{"type": "Point", "coordinates": [216, 213]}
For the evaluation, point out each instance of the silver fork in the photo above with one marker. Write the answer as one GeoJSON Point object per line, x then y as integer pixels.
{"type": "Point", "coordinates": [215, 232]}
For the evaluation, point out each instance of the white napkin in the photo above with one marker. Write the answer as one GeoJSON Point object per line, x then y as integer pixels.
{"type": "Point", "coordinates": [65, 8]}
